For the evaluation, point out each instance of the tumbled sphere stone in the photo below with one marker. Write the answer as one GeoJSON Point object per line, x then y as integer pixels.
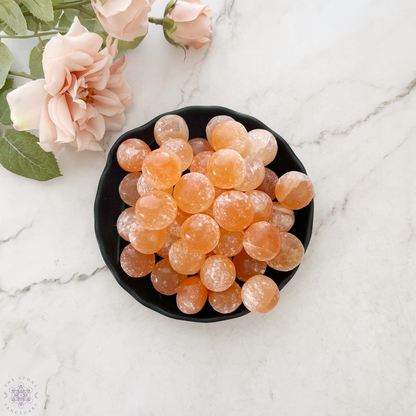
{"type": "Point", "coordinates": [200, 162]}
{"type": "Point", "coordinates": [184, 261]}
{"type": "Point", "coordinates": [182, 149]}
{"type": "Point", "coordinates": [290, 255]}
{"type": "Point", "coordinates": [294, 190]}
{"type": "Point", "coordinates": [166, 280]}
{"type": "Point", "coordinates": [262, 241]}
{"type": "Point", "coordinates": [262, 204]}
{"type": "Point", "coordinates": [136, 264]}
{"type": "Point", "coordinates": [146, 241]}
{"type": "Point", "coordinates": [246, 266]}
{"type": "Point", "coordinates": [192, 295]}
{"type": "Point", "coordinates": [230, 243]}
{"type": "Point", "coordinates": [255, 173]}
{"type": "Point", "coordinates": [282, 218]}
{"type": "Point", "coordinates": [214, 123]}
{"type": "Point", "coordinates": [128, 188]}
{"type": "Point", "coordinates": [269, 183]}
{"type": "Point", "coordinates": [200, 145]}
{"type": "Point", "coordinates": [170, 126]}
{"type": "Point", "coordinates": [124, 222]}
{"type": "Point", "coordinates": [263, 144]}
{"type": "Point", "coordinates": [227, 301]}
{"type": "Point", "coordinates": [260, 294]}
{"type": "Point", "coordinates": [131, 154]}
{"type": "Point", "coordinates": [217, 273]}
{"type": "Point", "coordinates": [230, 135]}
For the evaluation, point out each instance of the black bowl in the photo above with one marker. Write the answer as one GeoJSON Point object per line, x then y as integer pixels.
{"type": "Point", "coordinates": [108, 206]}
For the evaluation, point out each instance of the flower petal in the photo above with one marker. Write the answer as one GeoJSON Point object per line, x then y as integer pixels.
{"type": "Point", "coordinates": [195, 29]}
{"type": "Point", "coordinates": [186, 12]}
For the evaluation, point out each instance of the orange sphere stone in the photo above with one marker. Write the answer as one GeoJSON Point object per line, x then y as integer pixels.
{"type": "Point", "coordinates": [282, 218]}
{"type": "Point", "coordinates": [175, 227]}
{"type": "Point", "coordinates": [246, 266]}
{"type": "Point", "coordinates": [136, 264]}
{"type": "Point", "coordinates": [184, 261]}
{"type": "Point", "coordinates": [200, 162]}
{"type": "Point", "coordinates": [194, 193]}
{"type": "Point", "coordinates": [200, 233]}
{"type": "Point", "coordinates": [290, 255]}
{"type": "Point", "coordinates": [263, 144]}
{"type": "Point", "coordinates": [227, 301]}
{"type": "Point", "coordinates": [230, 135]}
{"type": "Point", "coordinates": [182, 149]}
{"type": "Point", "coordinates": [262, 204]}
{"type": "Point", "coordinates": [170, 127]}
{"type": "Point", "coordinates": [214, 123]}
{"type": "Point", "coordinates": [126, 219]}
{"type": "Point", "coordinates": [156, 210]}
{"type": "Point", "coordinates": [146, 241]}
{"type": "Point", "coordinates": [128, 188]}
{"type": "Point", "coordinates": [217, 273]}
{"type": "Point", "coordinates": [131, 154]}
{"type": "Point", "coordinates": [269, 183]}
{"type": "Point", "coordinates": [144, 187]}
{"type": "Point", "coordinates": [260, 294]}
{"type": "Point", "coordinates": [254, 174]}
{"type": "Point", "coordinates": [165, 280]}
{"type": "Point", "coordinates": [262, 241]}
{"type": "Point", "coordinates": [164, 251]}
{"type": "Point", "coordinates": [200, 145]}
{"type": "Point", "coordinates": [226, 169]}
{"type": "Point", "coordinates": [192, 295]}
{"type": "Point", "coordinates": [162, 168]}
{"type": "Point", "coordinates": [233, 211]}
{"type": "Point", "coordinates": [294, 190]}
{"type": "Point", "coordinates": [230, 244]}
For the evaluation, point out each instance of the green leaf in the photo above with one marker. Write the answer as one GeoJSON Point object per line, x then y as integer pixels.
{"type": "Point", "coordinates": [35, 60]}
{"type": "Point", "coordinates": [4, 109]}
{"type": "Point", "coordinates": [64, 21]}
{"type": "Point", "coordinates": [21, 154]}
{"type": "Point", "coordinates": [11, 14]}
{"type": "Point", "coordinates": [6, 60]}
{"type": "Point", "coordinates": [8, 85]}
{"type": "Point", "coordinates": [71, 14]}
{"type": "Point", "coordinates": [42, 9]}
{"type": "Point", "coordinates": [124, 45]}
{"type": "Point", "coordinates": [169, 6]}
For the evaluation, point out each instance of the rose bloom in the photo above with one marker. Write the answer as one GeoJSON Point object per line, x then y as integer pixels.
{"type": "Point", "coordinates": [193, 21]}
{"type": "Point", "coordinates": [123, 19]}
{"type": "Point", "coordinates": [83, 93]}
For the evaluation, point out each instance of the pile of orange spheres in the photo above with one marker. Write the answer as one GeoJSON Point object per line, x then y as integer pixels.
{"type": "Point", "coordinates": [206, 207]}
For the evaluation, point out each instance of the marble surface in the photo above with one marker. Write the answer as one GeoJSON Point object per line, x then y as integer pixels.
{"type": "Point", "coordinates": [337, 80]}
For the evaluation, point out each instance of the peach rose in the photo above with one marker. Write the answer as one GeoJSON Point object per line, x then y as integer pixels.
{"type": "Point", "coordinates": [123, 19]}
{"type": "Point", "coordinates": [83, 93]}
{"type": "Point", "coordinates": [193, 21]}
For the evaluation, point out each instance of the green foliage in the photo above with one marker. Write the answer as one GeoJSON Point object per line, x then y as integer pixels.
{"type": "Point", "coordinates": [169, 7]}
{"type": "Point", "coordinates": [12, 15]}
{"type": "Point", "coordinates": [43, 10]}
{"type": "Point", "coordinates": [35, 60]}
{"type": "Point", "coordinates": [124, 45]}
{"type": "Point", "coordinates": [4, 109]}
{"type": "Point", "coordinates": [6, 60]}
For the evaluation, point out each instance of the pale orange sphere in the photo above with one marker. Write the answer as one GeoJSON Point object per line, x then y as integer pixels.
{"type": "Point", "coordinates": [230, 135]}
{"type": "Point", "coordinates": [126, 219]}
{"type": "Point", "coordinates": [246, 266]}
{"type": "Point", "coordinates": [263, 144]}
{"type": "Point", "coordinates": [290, 255]}
{"type": "Point", "coordinates": [269, 183]}
{"type": "Point", "coordinates": [200, 162]}
{"type": "Point", "coordinates": [294, 190]}
{"type": "Point", "coordinates": [227, 301]}
{"type": "Point", "coordinates": [184, 261]}
{"type": "Point", "coordinates": [282, 218]}
{"type": "Point", "coordinates": [214, 123]}
{"type": "Point", "coordinates": [175, 227]}
{"type": "Point", "coordinates": [200, 233]}
{"type": "Point", "coordinates": [260, 294]}
{"type": "Point", "coordinates": [164, 251]}
{"type": "Point", "coordinates": [162, 168]}
{"type": "Point", "coordinates": [166, 280]}
{"type": "Point", "coordinates": [262, 241]}
{"type": "Point", "coordinates": [182, 149]}
{"type": "Point", "coordinates": [156, 210]}
{"type": "Point", "coordinates": [128, 188]}
{"type": "Point", "coordinates": [226, 169]}
{"type": "Point", "coordinates": [262, 204]}
{"type": "Point", "coordinates": [146, 241]}
{"type": "Point", "coordinates": [230, 244]}
{"type": "Point", "coordinates": [144, 187]}
{"type": "Point", "coordinates": [254, 174]}
{"type": "Point", "coordinates": [233, 211]}
{"type": "Point", "coordinates": [194, 193]}
{"type": "Point", "coordinates": [170, 127]}
{"type": "Point", "coordinates": [131, 154]}
{"type": "Point", "coordinates": [217, 273]}
{"type": "Point", "coordinates": [192, 295]}
{"type": "Point", "coordinates": [136, 264]}
{"type": "Point", "coordinates": [200, 145]}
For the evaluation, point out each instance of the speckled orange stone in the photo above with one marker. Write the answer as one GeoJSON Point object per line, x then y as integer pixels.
{"type": "Point", "coordinates": [254, 174]}
{"type": "Point", "coordinates": [200, 145]}
{"type": "Point", "coordinates": [233, 211]}
{"type": "Point", "coordinates": [269, 183]}
{"type": "Point", "coordinates": [217, 273]}
{"type": "Point", "coordinates": [290, 255]}
{"type": "Point", "coordinates": [262, 241]}
{"type": "Point", "coordinates": [175, 227]}
{"type": "Point", "coordinates": [136, 264]}
{"type": "Point", "coordinates": [131, 154]}
{"type": "Point", "coordinates": [263, 144]}
{"type": "Point", "coordinates": [262, 204]}
{"type": "Point", "coordinates": [230, 135]}
{"type": "Point", "coordinates": [227, 301]}
{"type": "Point", "coordinates": [144, 187]}
{"type": "Point", "coordinates": [214, 123]}
{"type": "Point", "coordinates": [128, 188]}
{"type": "Point", "coordinates": [126, 219]}
{"type": "Point", "coordinates": [182, 149]}
{"type": "Point", "coordinates": [156, 210]}
{"type": "Point", "coordinates": [230, 244]}
{"type": "Point", "coordinates": [170, 127]}
{"type": "Point", "coordinates": [194, 193]}
{"type": "Point", "coordinates": [200, 233]}
{"type": "Point", "coordinates": [192, 295]}
{"type": "Point", "coordinates": [226, 169]}
{"type": "Point", "coordinates": [200, 162]}
{"type": "Point", "coordinates": [260, 294]}
{"type": "Point", "coordinates": [164, 251]}
{"type": "Point", "coordinates": [184, 261]}
{"type": "Point", "coordinates": [146, 241]}
{"type": "Point", "coordinates": [282, 218]}
{"type": "Point", "coordinates": [247, 267]}
{"type": "Point", "coordinates": [166, 280]}
{"type": "Point", "coordinates": [162, 168]}
{"type": "Point", "coordinates": [294, 190]}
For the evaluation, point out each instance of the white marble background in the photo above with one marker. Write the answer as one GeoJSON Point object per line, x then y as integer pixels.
{"type": "Point", "coordinates": [337, 80]}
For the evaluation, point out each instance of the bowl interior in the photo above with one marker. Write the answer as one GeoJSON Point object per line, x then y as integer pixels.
{"type": "Point", "coordinates": [108, 206]}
